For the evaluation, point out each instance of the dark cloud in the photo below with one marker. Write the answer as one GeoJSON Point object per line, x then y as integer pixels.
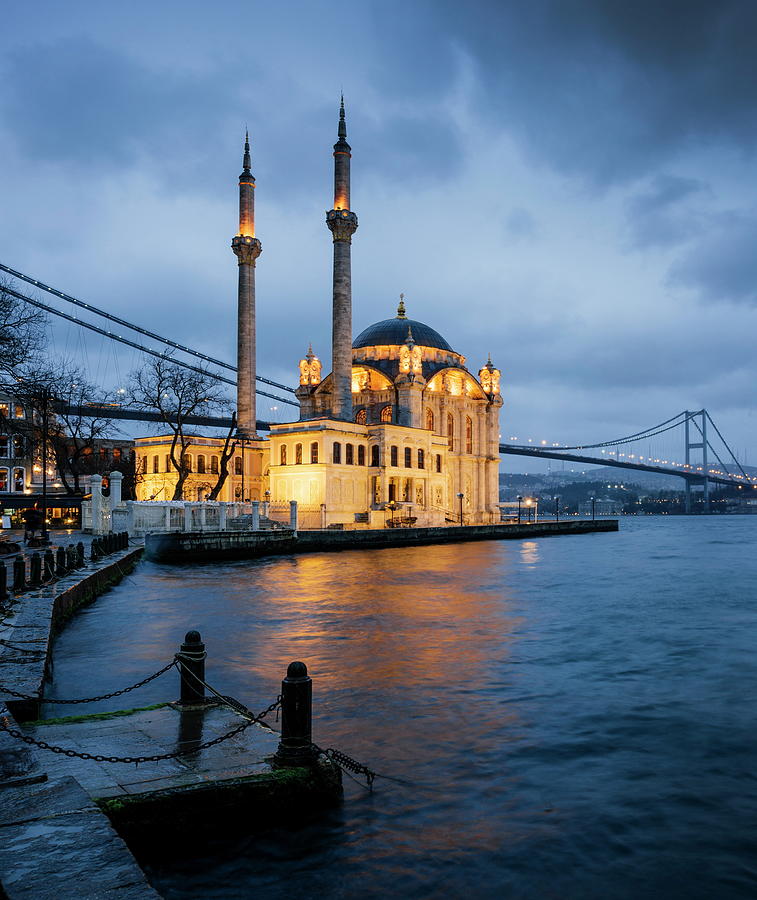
{"type": "Point", "coordinates": [659, 215]}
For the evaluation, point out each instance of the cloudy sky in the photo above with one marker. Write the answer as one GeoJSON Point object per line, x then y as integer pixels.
{"type": "Point", "coordinates": [565, 183]}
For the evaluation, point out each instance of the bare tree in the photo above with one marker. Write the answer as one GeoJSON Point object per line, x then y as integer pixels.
{"type": "Point", "coordinates": [22, 336]}
{"type": "Point", "coordinates": [176, 393]}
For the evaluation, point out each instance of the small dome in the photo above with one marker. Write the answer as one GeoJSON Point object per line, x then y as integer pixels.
{"type": "Point", "coordinates": [393, 333]}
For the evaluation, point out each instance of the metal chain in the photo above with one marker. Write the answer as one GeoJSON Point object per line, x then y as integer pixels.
{"type": "Point", "coordinates": [157, 757]}
{"type": "Point", "coordinates": [126, 690]}
{"type": "Point", "coordinates": [346, 762]}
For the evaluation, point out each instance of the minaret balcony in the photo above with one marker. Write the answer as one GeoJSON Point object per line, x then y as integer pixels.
{"type": "Point", "coordinates": [342, 223]}
{"type": "Point", "coordinates": [246, 248]}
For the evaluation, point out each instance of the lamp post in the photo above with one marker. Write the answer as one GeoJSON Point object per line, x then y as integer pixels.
{"type": "Point", "coordinates": [45, 397]}
{"type": "Point", "coordinates": [519, 500]}
{"type": "Point", "coordinates": [460, 498]}
{"type": "Point", "coordinates": [557, 508]}
{"type": "Point", "coordinates": [267, 496]}
{"type": "Point", "coordinates": [529, 504]}
{"type": "Point", "coordinates": [593, 501]}
{"type": "Point", "coordinates": [391, 505]}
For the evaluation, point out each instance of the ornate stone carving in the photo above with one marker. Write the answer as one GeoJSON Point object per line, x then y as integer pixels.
{"type": "Point", "coordinates": [342, 224]}
{"type": "Point", "coordinates": [246, 249]}
{"type": "Point", "coordinates": [310, 369]}
{"type": "Point", "coordinates": [489, 377]}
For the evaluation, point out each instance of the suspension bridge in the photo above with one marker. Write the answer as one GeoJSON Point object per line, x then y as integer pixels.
{"type": "Point", "coordinates": [699, 434]}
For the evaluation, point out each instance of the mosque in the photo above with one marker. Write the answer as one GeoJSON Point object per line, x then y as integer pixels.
{"type": "Point", "coordinates": [399, 430]}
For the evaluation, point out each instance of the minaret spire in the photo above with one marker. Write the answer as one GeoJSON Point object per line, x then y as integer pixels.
{"type": "Point", "coordinates": [342, 223]}
{"type": "Point", "coordinates": [247, 249]}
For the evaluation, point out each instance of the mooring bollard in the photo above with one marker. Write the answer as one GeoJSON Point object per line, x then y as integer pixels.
{"type": "Point", "coordinates": [19, 574]}
{"type": "Point", "coordinates": [4, 596]}
{"type": "Point", "coordinates": [35, 570]}
{"type": "Point", "coordinates": [192, 668]}
{"type": "Point", "coordinates": [296, 745]}
{"type": "Point", "coordinates": [70, 557]}
{"type": "Point", "coordinates": [94, 553]}
{"type": "Point", "coordinates": [79, 555]}
{"type": "Point", "coordinates": [60, 561]}
{"type": "Point", "coordinates": [49, 565]}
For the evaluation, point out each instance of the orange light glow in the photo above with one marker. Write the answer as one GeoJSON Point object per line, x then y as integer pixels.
{"type": "Point", "coordinates": [341, 202]}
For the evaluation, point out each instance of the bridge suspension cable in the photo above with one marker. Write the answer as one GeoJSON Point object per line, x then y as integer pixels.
{"type": "Point", "coordinates": [640, 435]}
{"type": "Point", "coordinates": [146, 332]}
{"type": "Point", "coordinates": [117, 337]}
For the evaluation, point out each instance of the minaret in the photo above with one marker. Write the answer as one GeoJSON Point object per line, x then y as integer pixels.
{"type": "Point", "coordinates": [342, 223]}
{"type": "Point", "coordinates": [247, 249]}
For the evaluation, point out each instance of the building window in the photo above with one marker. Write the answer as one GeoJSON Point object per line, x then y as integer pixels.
{"type": "Point", "coordinates": [283, 455]}
{"type": "Point", "coordinates": [408, 457]}
{"type": "Point", "coordinates": [375, 458]}
{"type": "Point", "coordinates": [298, 454]}
{"type": "Point", "coordinates": [3, 479]}
{"type": "Point", "coordinates": [429, 419]}
{"type": "Point", "coordinates": [386, 414]}
{"type": "Point", "coordinates": [201, 464]}
{"type": "Point", "coordinates": [168, 462]}
{"type": "Point", "coordinates": [238, 466]}
{"type": "Point", "coordinates": [18, 411]}
{"type": "Point", "coordinates": [438, 462]}
{"type": "Point", "coordinates": [468, 434]}
{"type": "Point", "coordinates": [337, 457]}
{"type": "Point", "coordinates": [155, 465]}
{"type": "Point", "coordinates": [362, 417]}
{"type": "Point", "coordinates": [361, 455]}
{"type": "Point", "coordinates": [3, 446]}
{"type": "Point", "coordinates": [349, 454]}
{"type": "Point", "coordinates": [186, 462]}
{"type": "Point", "coordinates": [19, 450]}
{"type": "Point", "coordinates": [314, 452]}
{"type": "Point", "coordinates": [393, 453]}
{"type": "Point", "coordinates": [4, 410]}
{"type": "Point", "coordinates": [213, 465]}
{"type": "Point", "coordinates": [19, 479]}
{"type": "Point", "coordinates": [451, 431]}
{"type": "Point", "coordinates": [421, 459]}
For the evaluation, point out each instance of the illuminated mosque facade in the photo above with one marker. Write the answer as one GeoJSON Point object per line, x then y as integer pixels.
{"type": "Point", "coordinates": [398, 425]}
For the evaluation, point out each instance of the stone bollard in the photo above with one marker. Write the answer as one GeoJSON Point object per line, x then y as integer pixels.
{"type": "Point", "coordinates": [60, 561]}
{"type": "Point", "coordinates": [94, 549]}
{"type": "Point", "coordinates": [70, 557]}
{"type": "Point", "coordinates": [79, 555]}
{"type": "Point", "coordinates": [19, 574]}
{"type": "Point", "coordinates": [256, 515]}
{"type": "Point", "coordinates": [192, 668]}
{"type": "Point", "coordinates": [293, 514]}
{"type": "Point", "coordinates": [126, 540]}
{"type": "Point", "coordinates": [295, 746]}
{"type": "Point", "coordinates": [48, 567]}
{"type": "Point", "coordinates": [4, 596]}
{"type": "Point", "coordinates": [35, 570]}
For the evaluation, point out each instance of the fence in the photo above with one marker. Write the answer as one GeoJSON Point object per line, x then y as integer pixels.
{"type": "Point", "coordinates": [309, 518]}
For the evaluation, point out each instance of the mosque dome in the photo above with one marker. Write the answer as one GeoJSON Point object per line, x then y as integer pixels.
{"type": "Point", "coordinates": [393, 333]}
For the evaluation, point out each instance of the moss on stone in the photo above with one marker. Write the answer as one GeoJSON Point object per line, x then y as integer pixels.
{"type": "Point", "coordinates": [93, 717]}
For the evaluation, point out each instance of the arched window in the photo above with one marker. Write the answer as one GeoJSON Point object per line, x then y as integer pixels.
{"type": "Point", "coordinates": [201, 464]}
{"type": "Point", "coordinates": [450, 430]}
{"type": "Point", "coordinates": [186, 462]}
{"type": "Point", "coordinates": [19, 479]}
{"type": "Point", "coordinates": [361, 417]}
{"type": "Point", "coordinates": [168, 462]}
{"type": "Point", "coordinates": [408, 457]}
{"type": "Point", "coordinates": [421, 459]}
{"type": "Point", "coordinates": [337, 457]}
{"type": "Point", "coordinates": [155, 465]}
{"type": "Point", "coordinates": [438, 462]}
{"type": "Point", "coordinates": [361, 455]}
{"type": "Point", "coordinates": [393, 453]}
{"type": "Point", "coordinates": [213, 465]}
{"type": "Point", "coordinates": [238, 466]}
{"type": "Point", "coordinates": [18, 411]}
{"type": "Point", "coordinates": [468, 434]}
{"type": "Point", "coordinates": [349, 454]}
{"type": "Point", "coordinates": [375, 458]}
{"type": "Point", "coordinates": [298, 454]}
{"type": "Point", "coordinates": [283, 455]}
{"type": "Point", "coordinates": [19, 447]}
{"type": "Point", "coordinates": [429, 419]}
{"type": "Point", "coordinates": [314, 452]}
{"type": "Point", "coordinates": [386, 414]}
{"type": "Point", "coordinates": [3, 479]}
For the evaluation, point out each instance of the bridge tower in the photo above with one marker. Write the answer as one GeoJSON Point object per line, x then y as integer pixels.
{"type": "Point", "coordinates": [247, 249]}
{"type": "Point", "coordinates": [697, 445]}
{"type": "Point", "coordinates": [342, 223]}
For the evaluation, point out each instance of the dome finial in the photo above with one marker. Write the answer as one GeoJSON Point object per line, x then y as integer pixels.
{"type": "Point", "coordinates": [401, 308]}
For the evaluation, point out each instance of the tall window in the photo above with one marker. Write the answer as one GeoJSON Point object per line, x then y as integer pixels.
{"type": "Point", "coordinates": [361, 455]}
{"type": "Point", "coordinates": [213, 465]}
{"type": "Point", "coordinates": [386, 414]}
{"type": "Point", "coordinates": [18, 411]}
{"type": "Point", "coordinates": [168, 462]}
{"type": "Point", "coordinates": [375, 458]}
{"type": "Point", "coordinates": [18, 447]}
{"type": "Point", "coordinates": [298, 454]}
{"type": "Point", "coordinates": [201, 464]}
{"type": "Point", "coordinates": [186, 462]}
{"type": "Point", "coordinates": [283, 455]}
{"type": "Point", "coordinates": [3, 445]}
{"type": "Point", "coordinates": [468, 434]}
{"type": "Point", "coordinates": [362, 417]}
{"type": "Point", "coordinates": [349, 454]}
{"type": "Point", "coordinates": [421, 459]}
{"type": "Point", "coordinates": [337, 455]}
{"type": "Point", "coordinates": [429, 419]}
{"type": "Point", "coordinates": [408, 457]}
{"type": "Point", "coordinates": [393, 456]}
{"type": "Point", "coordinates": [314, 452]}
{"type": "Point", "coordinates": [3, 479]}
{"type": "Point", "coordinates": [238, 466]}
{"type": "Point", "coordinates": [19, 479]}
{"type": "Point", "coordinates": [438, 462]}
{"type": "Point", "coordinates": [450, 430]}
{"type": "Point", "coordinates": [155, 465]}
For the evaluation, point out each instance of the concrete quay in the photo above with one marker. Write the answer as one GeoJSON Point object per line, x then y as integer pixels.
{"type": "Point", "coordinates": [187, 547]}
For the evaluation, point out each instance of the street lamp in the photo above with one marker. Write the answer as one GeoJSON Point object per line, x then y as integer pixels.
{"type": "Point", "coordinates": [391, 505]}
{"type": "Point", "coordinates": [519, 500]}
{"type": "Point", "coordinates": [529, 503]}
{"type": "Point", "coordinates": [557, 508]}
{"type": "Point", "coordinates": [460, 498]}
{"type": "Point", "coordinates": [593, 501]}
{"type": "Point", "coordinates": [267, 496]}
